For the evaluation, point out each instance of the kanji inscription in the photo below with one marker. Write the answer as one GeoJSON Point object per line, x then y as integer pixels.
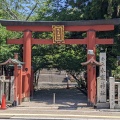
{"type": "Point", "coordinates": [102, 94]}
{"type": "Point", "coordinates": [58, 33]}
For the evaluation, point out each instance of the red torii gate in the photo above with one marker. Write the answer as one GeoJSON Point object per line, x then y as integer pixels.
{"type": "Point", "coordinates": [90, 26]}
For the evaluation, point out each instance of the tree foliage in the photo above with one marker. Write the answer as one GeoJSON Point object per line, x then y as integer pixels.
{"type": "Point", "coordinates": [67, 57]}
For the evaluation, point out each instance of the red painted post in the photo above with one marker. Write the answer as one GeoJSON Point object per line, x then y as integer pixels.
{"type": "Point", "coordinates": [31, 83]}
{"type": "Point", "coordinates": [27, 60]}
{"type": "Point", "coordinates": [91, 70]}
{"type": "Point", "coordinates": [20, 84]}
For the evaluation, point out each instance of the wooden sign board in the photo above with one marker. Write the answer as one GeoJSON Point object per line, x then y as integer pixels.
{"type": "Point", "coordinates": [58, 33]}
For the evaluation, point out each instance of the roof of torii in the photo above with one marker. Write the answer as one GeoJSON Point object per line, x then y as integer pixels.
{"type": "Point", "coordinates": [115, 21]}
{"type": "Point", "coordinates": [11, 62]}
{"type": "Point", "coordinates": [92, 61]}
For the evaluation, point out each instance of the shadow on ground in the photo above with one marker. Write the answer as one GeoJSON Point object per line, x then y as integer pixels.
{"type": "Point", "coordinates": [63, 98]}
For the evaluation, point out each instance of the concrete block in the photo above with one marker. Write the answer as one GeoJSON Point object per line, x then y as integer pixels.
{"type": "Point", "coordinates": [103, 105]}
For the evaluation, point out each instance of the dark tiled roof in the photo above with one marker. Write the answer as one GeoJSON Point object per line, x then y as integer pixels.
{"type": "Point", "coordinates": [11, 62]}
{"type": "Point", "coordinates": [115, 21]}
{"type": "Point", "coordinates": [92, 61]}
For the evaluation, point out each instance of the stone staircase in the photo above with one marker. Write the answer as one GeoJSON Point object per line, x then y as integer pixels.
{"type": "Point", "coordinates": [53, 79]}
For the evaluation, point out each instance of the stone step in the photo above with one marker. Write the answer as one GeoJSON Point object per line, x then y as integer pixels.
{"type": "Point", "coordinates": [48, 108]}
{"type": "Point", "coordinates": [51, 78]}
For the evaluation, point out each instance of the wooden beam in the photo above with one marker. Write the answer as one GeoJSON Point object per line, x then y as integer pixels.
{"type": "Point", "coordinates": [86, 28]}
{"type": "Point", "coordinates": [76, 41]}
{"type": "Point", "coordinates": [67, 28]}
{"type": "Point", "coordinates": [47, 41]}
{"type": "Point", "coordinates": [31, 28]}
{"type": "Point", "coordinates": [15, 41]}
{"type": "Point", "coordinates": [104, 41]}
{"type": "Point", "coordinates": [42, 41]}
{"type": "Point", "coordinates": [67, 41]}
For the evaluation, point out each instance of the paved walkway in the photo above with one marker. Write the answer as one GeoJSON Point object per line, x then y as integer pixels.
{"type": "Point", "coordinates": [68, 104]}
{"type": "Point", "coordinates": [62, 97]}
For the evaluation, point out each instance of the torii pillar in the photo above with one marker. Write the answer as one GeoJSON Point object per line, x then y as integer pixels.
{"type": "Point", "coordinates": [27, 43]}
{"type": "Point", "coordinates": [91, 71]}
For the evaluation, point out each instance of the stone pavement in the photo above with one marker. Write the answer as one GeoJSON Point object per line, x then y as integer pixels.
{"type": "Point", "coordinates": [59, 104]}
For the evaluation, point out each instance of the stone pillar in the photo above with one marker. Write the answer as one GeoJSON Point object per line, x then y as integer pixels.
{"type": "Point", "coordinates": [100, 95]}
{"type": "Point", "coordinates": [112, 92]}
{"type": "Point", "coordinates": [2, 79]}
{"type": "Point", "coordinates": [15, 85]}
{"type": "Point", "coordinates": [12, 89]}
{"type": "Point", "coordinates": [103, 77]}
{"type": "Point", "coordinates": [119, 94]}
{"type": "Point", "coordinates": [98, 89]}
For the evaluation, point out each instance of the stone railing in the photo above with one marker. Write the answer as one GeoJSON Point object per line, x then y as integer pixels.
{"type": "Point", "coordinates": [7, 88]}
{"type": "Point", "coordinates": [114, 93]}
{"type": "Point", "coordinates": [103, 87]}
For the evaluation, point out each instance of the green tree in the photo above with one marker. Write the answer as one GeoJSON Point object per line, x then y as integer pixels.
{"type": "Point", "coordinates": [106, 9]}
{"type": "Point", "coordinates": [63, 57]}
{"type": "Point", "coordinates": [15, 10]}
{"type": "Point", "coordinates": [60, 56]}
{"type": "Point", "coordinates": [20, 9]}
